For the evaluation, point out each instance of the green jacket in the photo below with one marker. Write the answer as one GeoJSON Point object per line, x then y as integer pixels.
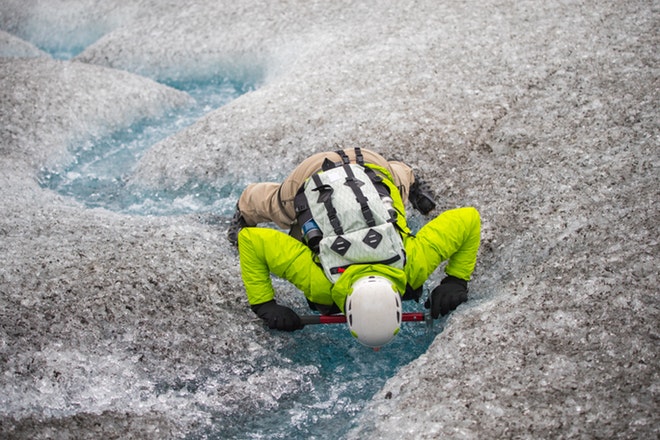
{"type": "Point", "coordinates": [454, 235]}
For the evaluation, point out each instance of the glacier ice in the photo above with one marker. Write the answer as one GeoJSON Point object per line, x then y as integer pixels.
{"type": "Point", "coordinates": [544, 116]}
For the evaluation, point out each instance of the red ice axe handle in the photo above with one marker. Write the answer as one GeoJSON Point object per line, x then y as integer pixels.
{"type": "Point", "coordinates": [340, 319]}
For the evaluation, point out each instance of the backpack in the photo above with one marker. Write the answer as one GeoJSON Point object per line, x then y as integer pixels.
{"type": "Point", "coordinates": [346, 216]}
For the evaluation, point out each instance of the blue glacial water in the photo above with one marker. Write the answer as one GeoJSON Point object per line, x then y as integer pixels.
{"type": "Point", "coordinates": [349, 376]}
{"type": "Point", "coordinates": [98, 174]}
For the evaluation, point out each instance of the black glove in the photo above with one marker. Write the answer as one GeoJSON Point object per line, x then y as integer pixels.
{"type": "Point", "coordinates": [447, 296]}
{"type": "Point", "coordinates": [412, 294]}
{"type": "Point", "coordinates": [278, 317]}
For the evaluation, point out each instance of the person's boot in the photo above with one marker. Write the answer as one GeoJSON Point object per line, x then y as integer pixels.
{"type": "Point", "coordinates": [421, 196]}
{"type": "Point", "coordinates": [237, 223]}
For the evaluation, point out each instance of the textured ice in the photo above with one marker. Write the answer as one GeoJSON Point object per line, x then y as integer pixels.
{"type": "Point", "coordinates": [47, 106]}
{"type": "Point", "coordinates": [11, 46]}
{"type": "Point", "coordinates": [543, 115]}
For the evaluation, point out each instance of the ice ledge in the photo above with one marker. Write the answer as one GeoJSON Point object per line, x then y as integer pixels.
{"type": "Point", "coordinates": [48, 105]}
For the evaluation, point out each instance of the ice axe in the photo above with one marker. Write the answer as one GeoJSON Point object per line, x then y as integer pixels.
{"type": "Point", "coordinates": [340, 319]}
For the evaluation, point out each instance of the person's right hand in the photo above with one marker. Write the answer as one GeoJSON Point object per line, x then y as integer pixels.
{"type": "Point", "coordinates": [278, 317]}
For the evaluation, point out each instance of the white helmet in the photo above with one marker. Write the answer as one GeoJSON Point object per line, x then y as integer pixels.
{"type": "Point", "coordinates": [373, 311]}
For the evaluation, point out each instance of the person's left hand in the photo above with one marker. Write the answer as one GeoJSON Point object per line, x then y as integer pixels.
{"type": "Point", "coordinates": [449, 294]}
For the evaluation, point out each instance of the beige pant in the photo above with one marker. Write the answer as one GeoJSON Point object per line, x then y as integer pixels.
{"type": "Point", "coordinates": [273, 202]}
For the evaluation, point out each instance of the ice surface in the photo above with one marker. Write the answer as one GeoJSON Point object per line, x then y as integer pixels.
{"type": "Point", "coordinates": [63, 28]}
{"type": "Point", "coordinates": [11, 46]}
{"type": "Point", "coordinates": [46, 108]}
{"type": "Point", "coordinates": [542, 115]}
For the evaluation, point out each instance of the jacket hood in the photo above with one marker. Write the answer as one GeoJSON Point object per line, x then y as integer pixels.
{"type": "Point", "coordinates": [344, 286]}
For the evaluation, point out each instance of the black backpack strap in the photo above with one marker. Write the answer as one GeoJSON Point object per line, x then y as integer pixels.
{"type": "Point", "coordinates": [344, 157]}
{"type": "Point", "coordinates": [301, 206]}
{"type": "Point", "coordinates": [300, 203]}
{"type": "Point", "coordinates": [359, 158]}
{"type": "Point", "coordinates": [325, 193]}
{"type": "Point", "coordinates": [341, 269]}
{"type": "Point", "coordinates": [355, 184]}
{"type": "Point", "coordinates": [382, 188]}
{"type": "Point", "coordinates": [377, 180]}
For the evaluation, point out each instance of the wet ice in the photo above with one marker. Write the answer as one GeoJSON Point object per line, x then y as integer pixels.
{"type": "Point", "coordinates": [99, 172]}
{"type": "Point", "coordinates": [543, 116]}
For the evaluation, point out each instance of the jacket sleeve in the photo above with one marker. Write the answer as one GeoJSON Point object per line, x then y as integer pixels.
{"type": "Point", "coordinates": [454, 235]}
{"type": "Point", "coordinates": [265, 251]}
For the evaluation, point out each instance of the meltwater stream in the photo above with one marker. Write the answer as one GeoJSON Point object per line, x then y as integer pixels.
{"type": "Point", "coordinates": [97, 176]}
{"type": "Point", "coordinates": [345, 374]}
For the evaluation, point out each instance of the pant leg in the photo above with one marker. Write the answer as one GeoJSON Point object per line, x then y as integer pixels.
{"type": "Point", "coordinates": [403, 178]}
{"type": "Point", "coordinates": [259, 203]}
{"type": "Point", "coordinates": [273, 202]}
